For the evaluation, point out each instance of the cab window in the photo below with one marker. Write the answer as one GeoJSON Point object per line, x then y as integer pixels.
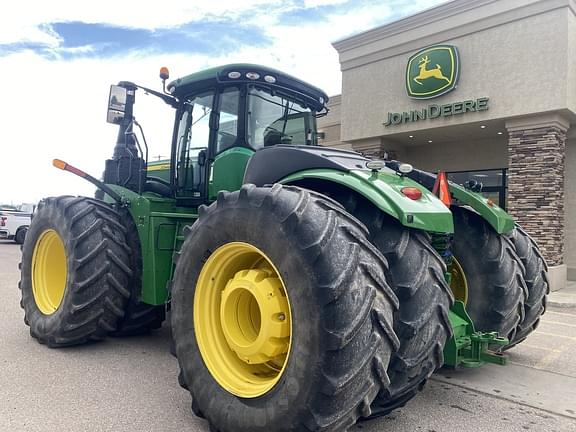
{"type": "Point", "coordinates": [193, 137]}
{"type": "Point", "coordinates": [274, 119]}
{"type": "Point", "coordinates": [228, 124]}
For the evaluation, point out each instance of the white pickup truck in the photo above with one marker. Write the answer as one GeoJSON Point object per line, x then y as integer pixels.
{"type": "Point", "coordinates": [14, 223]}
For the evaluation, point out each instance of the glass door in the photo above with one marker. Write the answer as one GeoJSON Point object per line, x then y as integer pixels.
{"type": "Point", "coordinates": [493, 182]}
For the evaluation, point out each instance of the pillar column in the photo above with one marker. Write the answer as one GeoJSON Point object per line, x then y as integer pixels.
{"type": "Point", "coordinates": [536, 165]}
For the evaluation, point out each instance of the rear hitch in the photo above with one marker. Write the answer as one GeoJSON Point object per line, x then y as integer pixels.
{"type": "Point", "coordinates": [469, 348]}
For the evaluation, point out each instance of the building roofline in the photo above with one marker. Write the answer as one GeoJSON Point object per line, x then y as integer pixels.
{"type": "Point", "coordinates": [428, 23]}
{"type": "Point", "coordinates": [426, 16]}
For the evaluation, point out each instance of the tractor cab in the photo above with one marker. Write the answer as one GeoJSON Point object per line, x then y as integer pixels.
{"type": "Point", "coordinates": [223, 116]}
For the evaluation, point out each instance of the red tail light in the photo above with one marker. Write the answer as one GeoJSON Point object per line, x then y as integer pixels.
{"type": "Point", "coordinates": [412, 193]}
{"type": "Point", "coordinates": [3, 221]}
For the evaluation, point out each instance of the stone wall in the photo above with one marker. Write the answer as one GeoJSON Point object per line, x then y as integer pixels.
{"type": "Point", "coordinates": [536, 160]}
{"type": "Point", "coordinates": [570, 204]}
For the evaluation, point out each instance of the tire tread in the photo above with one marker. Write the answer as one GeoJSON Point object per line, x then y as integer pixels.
{"type": "Point", "coordinates": [345, 395]}
{"type": "Point", "coordinates": [95, 304]}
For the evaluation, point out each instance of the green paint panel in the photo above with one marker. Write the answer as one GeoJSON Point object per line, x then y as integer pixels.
{"type": "Point", "coordinates": [384, 190]}
{"type": "Point", "coordinates": [166, 233]}
{"type": "Point", "coordinates": [501, 221]}
{"type": "Point", "coordinates": [228, 170]}
{"type": "Point", "coordinates": [160, 223]}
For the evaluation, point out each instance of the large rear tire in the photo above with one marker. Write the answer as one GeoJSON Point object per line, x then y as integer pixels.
{"type": "Point", "coordinates": [337, 334]}
{"type": "Point", "coordinates": [74, 271]}
{"type": "Point", "coordinates": [536, 278]}
{"type": "Point", "coordinates": [493, 274]}
{"type": "Point", "coordinates": [421, 323]}
{"type": "Point", "coordinates": [416, 274]}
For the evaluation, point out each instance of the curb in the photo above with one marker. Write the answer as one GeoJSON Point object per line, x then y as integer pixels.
{"type": "Point", "coordinates": [562, 305]}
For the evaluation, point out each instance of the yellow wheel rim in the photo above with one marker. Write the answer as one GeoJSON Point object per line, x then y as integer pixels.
{"type": "Point", "coordinates": [49, 272]}
{"type": "Point", "coordinates": [242, 320]}
{"type": "Point", "coordinates": [458, 282]}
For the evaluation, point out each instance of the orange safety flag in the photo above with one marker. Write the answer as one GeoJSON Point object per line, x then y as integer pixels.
{"type": "Point", "coordinates": [441, 189]}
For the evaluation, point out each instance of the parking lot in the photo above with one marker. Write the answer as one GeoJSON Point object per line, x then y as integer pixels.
{"type": "Point", "coordinates": [130, 384]}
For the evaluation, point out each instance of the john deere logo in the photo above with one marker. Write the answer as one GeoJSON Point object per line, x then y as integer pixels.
{"type": "Point", "coordinates": [432, 72]}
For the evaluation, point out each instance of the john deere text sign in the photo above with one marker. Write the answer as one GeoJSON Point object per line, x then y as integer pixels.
{"type": "Point", "coordinates": [434, 111]}
{"type": "Point", "coordinates": [432, 72]}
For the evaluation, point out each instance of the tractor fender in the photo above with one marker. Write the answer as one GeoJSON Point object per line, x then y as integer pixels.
{"type": "Point", "coordinates": [384, 190]}
{"type": "Point", "coordinates": [496, 217]}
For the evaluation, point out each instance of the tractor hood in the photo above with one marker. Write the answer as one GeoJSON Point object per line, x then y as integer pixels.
{"type": "Point", "coordinates": [302, 165]}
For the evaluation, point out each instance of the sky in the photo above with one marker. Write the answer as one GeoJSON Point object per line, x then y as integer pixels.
{"type": "Point", "coordinates": [58, 59]}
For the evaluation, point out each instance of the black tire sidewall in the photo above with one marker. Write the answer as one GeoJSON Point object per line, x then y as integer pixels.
{"type": "Point", "coordinates": [299, 381]}
{"type": "Point", "coordinates": [97, 271]}
{"type": "Point", "coordinates": [20, 235]}
{"type": "Point", "coordinates": [47, 217]}
{"type": "Point", "coordinates": [496, 288]}
{"type": "Point", "coordinates": [416, 274]}
{"type": "Point", "coordinates": [537, 283]}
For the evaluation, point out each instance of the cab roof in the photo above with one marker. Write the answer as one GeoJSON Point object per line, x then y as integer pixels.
{"type": "Point", "coordinates": [240, 73]}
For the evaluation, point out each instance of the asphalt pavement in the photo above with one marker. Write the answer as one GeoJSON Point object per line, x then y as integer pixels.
{"type": "Point", "coordinates": [130, 384]}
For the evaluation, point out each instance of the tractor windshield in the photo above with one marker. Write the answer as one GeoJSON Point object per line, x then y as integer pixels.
{"type": "Point", "coordinates": [274, 119]}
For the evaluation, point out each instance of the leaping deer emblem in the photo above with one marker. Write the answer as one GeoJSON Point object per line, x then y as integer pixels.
{"type": "Point", "coordinates": [427, 73]}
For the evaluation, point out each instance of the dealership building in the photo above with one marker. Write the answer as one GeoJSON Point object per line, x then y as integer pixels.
{"type": "Point", "coordinates": [482, 89]}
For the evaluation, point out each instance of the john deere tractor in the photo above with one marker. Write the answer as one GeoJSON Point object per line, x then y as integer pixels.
{"type": "Point", "coordinates": [308, 287]}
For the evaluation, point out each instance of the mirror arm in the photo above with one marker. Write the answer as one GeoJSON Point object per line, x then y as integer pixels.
{"type": "Point", "coordinates": [170, 100]}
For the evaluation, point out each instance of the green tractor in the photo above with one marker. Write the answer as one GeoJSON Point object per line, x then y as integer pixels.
{"type": "Point", "coordinates": [307, 287]}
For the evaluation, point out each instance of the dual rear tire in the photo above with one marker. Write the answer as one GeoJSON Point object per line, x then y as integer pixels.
{"type": "Point", "coordinates": [504, 276]}
{"type": "Point", "coordinates": [535, 274]}
{"type": "Point", "coordinates": [416, 273]}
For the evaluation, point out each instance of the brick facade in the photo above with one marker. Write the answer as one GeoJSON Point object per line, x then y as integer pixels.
{"type": "Point", "coordinates": [536, 159]}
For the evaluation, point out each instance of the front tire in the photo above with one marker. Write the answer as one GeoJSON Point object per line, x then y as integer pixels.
{"type": "Point", "coordinates": [74, 271]}
{"type": "Point", "coordinates": [331, 362]}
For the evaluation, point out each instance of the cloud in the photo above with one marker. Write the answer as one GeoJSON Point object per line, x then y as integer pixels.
{"type": "Point", "coordinates": [57, 60]}
{"type": "Point", "coordinates": [21, 21]}
{"type": "Point", "coordinates": [78, 39]}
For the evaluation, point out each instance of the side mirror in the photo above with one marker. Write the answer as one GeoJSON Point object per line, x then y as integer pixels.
{"type": "Point", "coordinates": [116, 104]}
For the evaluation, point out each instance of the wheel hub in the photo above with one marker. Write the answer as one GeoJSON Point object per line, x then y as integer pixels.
{"type": "Point", "coordinates": [242, 320]}
{"type": "Point", "coordinates": [49, 272]}
{"type": "Point", "coordinates": [254, 316]}
{"type": "Point", "coordinates": [458, 282]}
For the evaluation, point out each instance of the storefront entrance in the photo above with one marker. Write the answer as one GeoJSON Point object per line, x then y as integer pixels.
{"type": "Point", "coordinates": [493, 182]}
